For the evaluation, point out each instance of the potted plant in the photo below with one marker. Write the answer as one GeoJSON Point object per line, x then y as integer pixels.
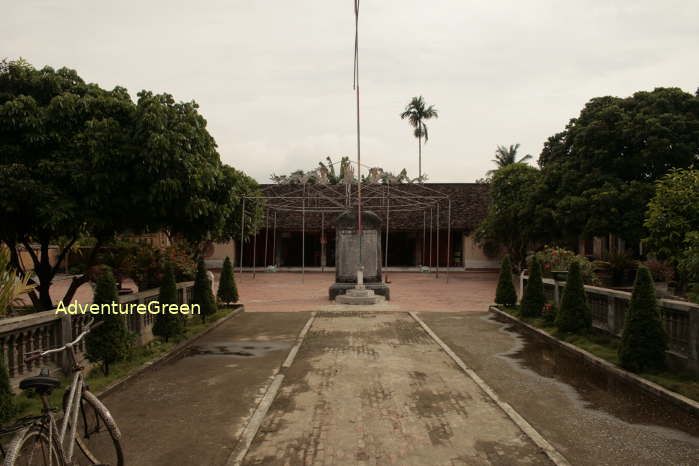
{"type": "Point", "coordinates": [604, 272]}
{"type": "Point", "coordinates": [662, 273]}
{"type": "Point", "coordinates": [623, 268]}
{"type": "Point", "coordinates": [555, 262]}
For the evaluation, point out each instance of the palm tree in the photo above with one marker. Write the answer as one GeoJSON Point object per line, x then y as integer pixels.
{"type": "Point", "coordinates": [505, 156]}
{"type": "Point", "coordinates": [416, 112]}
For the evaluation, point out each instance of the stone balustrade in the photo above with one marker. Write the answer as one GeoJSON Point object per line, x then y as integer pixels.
{"type": "Point", "coordinates": [44, 330]}
{"type": "Point", "coordinates": [608, 306]}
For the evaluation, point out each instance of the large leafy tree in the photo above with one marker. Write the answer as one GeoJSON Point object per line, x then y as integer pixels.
{"type": "Point", "coordinates": [600, 171]}
{"type": "Point", "coordinates": [57, 134]}
{"type": "Point", "coordinates": [516, 219]}
{"type": "Point", "coordinates": [505, 156]}
{"type": "Point", "coordinates": [673, 213]}
{"type": "Point", "coordinates": [417, 112]}
{"type": "Point", "coordinates": [77, 160]}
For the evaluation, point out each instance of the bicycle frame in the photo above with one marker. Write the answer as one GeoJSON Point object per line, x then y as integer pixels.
{"type": "Point", "coordinates": [73, 405]}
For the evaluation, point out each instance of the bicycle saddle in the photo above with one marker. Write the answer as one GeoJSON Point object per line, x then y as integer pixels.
{"type": "Point", "coordinates": [43, 381]}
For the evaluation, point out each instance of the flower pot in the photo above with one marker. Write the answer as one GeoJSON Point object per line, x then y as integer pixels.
{"type": "Point", "coordinates": [661, 289]}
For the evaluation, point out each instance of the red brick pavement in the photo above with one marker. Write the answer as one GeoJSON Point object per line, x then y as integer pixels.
{"type": "Point", "coordinates": [286, 292]}
{"type": "Point", "coordinates": [279, 292]}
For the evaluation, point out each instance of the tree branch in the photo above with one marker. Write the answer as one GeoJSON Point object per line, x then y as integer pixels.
{"type": "Point", "coordinates": [32, 254]}
{"type": "Point", "coordinates": [62, 255]}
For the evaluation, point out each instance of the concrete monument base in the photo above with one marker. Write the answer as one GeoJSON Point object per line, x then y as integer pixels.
{"type": "Point", "coordinates": [381, 289]}
{"type": "Point", "coordinates": [359, 296]}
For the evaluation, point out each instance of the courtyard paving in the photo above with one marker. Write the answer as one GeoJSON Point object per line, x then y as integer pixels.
{"type": "Point", "coordinates": [375, 389]}
{"type": "Point", "coordinates": [292, 292]}
{"type": "Point", "coordinates": [410, 291]}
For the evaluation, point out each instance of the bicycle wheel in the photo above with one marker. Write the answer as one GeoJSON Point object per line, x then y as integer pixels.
{"type": "Point", "coordinates": [31, 447]}
{"type": "Point", "coordinates": [97, 436]}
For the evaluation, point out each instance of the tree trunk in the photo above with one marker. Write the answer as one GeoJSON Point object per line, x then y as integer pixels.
{"type": "Point", "coordinates": [74, 285]}
{"type": "Point", "coordinates": [44, 288]}
{"type": "Point", "coordinates": [43, 271]}
{"type": "Point", "coordinates": [419, 158]}
{"type": "Point", "coordinates": [78, 281]}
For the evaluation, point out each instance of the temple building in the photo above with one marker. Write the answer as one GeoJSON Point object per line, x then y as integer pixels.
{"type": "Point", "coordinates": [430, 224]}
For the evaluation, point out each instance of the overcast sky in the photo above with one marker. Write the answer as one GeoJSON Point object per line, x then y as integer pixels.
{"type": "Point", "coordinates": [274, 78]}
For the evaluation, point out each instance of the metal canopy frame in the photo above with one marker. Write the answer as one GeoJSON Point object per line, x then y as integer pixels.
{"type": "Point", "coordinates": [322, 198]}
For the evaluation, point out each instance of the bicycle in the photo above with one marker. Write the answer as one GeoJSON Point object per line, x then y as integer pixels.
{"type": "Point", "coordinates": [88, 423]}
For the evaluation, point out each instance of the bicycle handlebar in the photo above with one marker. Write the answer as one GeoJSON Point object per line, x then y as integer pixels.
{"type": "Point", "coordinates": [43, 354]}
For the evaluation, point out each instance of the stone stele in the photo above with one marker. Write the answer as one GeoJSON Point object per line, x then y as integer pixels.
{"type": "Point", "coordinates": [347, 254]}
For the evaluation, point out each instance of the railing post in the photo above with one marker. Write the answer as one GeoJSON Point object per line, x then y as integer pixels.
{"type": "Point", "coordinates": [611, 316]}
{"type": "Point", "coordinates": [521, 285]}
{"type": "Point", "coordinates": [184, 295]}
{"type": "Point", "coordinates": [65, 335]}
{"type": "Point", "coordinates": [556, 294]}
{"type": "Point", "coordinates": [693, 350]}
{"type": "Point", "coordinates": [139, 324]}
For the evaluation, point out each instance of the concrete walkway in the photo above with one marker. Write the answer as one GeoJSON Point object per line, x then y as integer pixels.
{"type": "Point", "coordinates": [375, 389]}
{"type": "Point", "coordinates": [191, 410]}
{"type": "Point", "coordinates": [591, 419]}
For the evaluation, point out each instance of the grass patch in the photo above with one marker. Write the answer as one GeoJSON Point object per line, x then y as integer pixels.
{"type": "Point", "coordinates": [30, 404]}
{"type": "Point", "coordinates": [606, 346]}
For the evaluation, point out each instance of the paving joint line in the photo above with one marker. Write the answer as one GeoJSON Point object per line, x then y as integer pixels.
{"type": "Point", "coordinates": [554, 455]}
{"type": "Point", "coordinates": [253, 426]}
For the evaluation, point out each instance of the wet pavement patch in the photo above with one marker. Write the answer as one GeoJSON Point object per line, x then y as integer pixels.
{"type": "Point", "coordinates": [598, 389]}
{"type": "Point", "coordinates": [249, 349]}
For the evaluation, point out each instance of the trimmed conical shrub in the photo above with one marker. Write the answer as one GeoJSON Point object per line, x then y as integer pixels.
{"type": "Point", "coordinates": [227, 289]}
{"type": "Point", "coordinates": [533, 300]}
{"type": "Point", "coordinates": [202, 294]}
{"type": "Point", "coordinates": [505, 293]}
{"type": "Point", "coordinates": [574, 314]}
{"type": "Point", "coordinates": [109, 342]}
{"type": "Point", "coordinates": [643, 341]}
{"type": "Point", "coordinates": [8, 407]}
{"type": "Point", "coordinates": [168, 325]}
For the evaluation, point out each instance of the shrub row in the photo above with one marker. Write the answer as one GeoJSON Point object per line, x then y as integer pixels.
{"type": "Point", "coordinates": [643, 341]}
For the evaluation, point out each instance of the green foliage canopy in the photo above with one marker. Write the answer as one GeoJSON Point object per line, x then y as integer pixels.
{"type": "Point", "coordinates": [600, 171]}
{"type": "Point", "coordinates": [77, 160]}
{"type": "Point", "coordinates": [515, 216]}
{"type": "Point", "coordinates": [673, 213]}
